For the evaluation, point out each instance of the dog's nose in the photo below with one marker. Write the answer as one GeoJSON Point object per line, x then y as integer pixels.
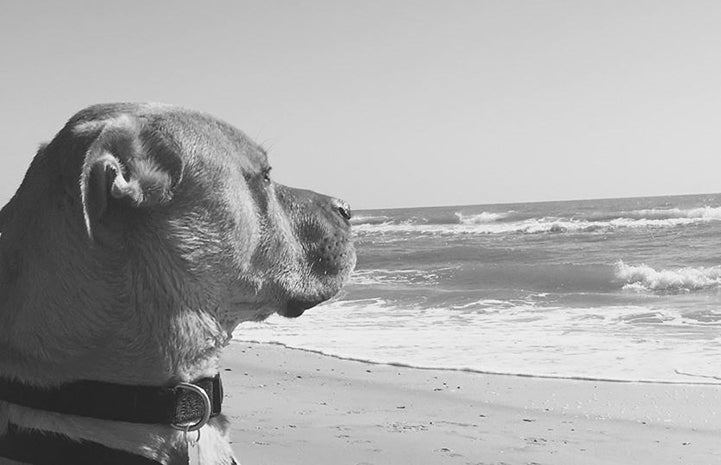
{"type": "Point", "coordinates": [342, 207]}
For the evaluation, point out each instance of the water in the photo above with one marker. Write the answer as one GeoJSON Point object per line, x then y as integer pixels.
{"type": "Point", "coordinates": [623, 289]}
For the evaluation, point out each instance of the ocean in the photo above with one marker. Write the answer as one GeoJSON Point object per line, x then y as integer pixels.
{"type": "Point", "coordinates": [618, 289]}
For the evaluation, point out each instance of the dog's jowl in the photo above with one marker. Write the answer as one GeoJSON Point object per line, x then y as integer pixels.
{"type": "Point", "coordinates": [141, 236]}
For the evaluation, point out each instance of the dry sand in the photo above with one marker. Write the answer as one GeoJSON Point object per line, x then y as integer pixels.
{"type": "Point", "coordinates": [291, 407]}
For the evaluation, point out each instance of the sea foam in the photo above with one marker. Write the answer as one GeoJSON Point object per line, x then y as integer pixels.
{"type": "Point", "coordinates": [493, 336]}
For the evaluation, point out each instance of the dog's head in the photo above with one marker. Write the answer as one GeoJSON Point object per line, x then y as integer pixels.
{"type": "Point", "coordinates": [149, 205]}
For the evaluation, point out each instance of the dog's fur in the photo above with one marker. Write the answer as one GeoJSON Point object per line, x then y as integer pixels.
{"type": "Point", "coordinates": [141, 236]}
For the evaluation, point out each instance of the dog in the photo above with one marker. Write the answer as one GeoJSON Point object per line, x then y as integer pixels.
{"type": "Point", "coordinates": [140, 237]}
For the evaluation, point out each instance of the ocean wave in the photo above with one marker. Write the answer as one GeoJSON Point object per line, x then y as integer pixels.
{"type": "Point", "coordinates": [488, 222]}
{"type": "Point", "coordinates": [646, 278]}
{"type": "Point", "coordinates": [530, 226]}
{"type": "Point", "coordinates": [437, 219]}
{"type": "Point", "coordinates": [481, 218]}
{"type": "Point", "coordinates": [561, 279]}
{"type": "Point", "coordinates": [384, 276]}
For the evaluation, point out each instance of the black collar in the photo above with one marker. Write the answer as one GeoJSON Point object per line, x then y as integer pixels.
{"type": "Point", "coordinates": [41, 448]}
{"type": "Point", "coordinates": [186, 407]}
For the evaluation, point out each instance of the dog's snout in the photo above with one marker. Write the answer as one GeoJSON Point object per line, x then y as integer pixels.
{"type": "Point", "coordinates": [342, 207]}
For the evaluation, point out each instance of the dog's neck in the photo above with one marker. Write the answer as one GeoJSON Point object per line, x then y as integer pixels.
{"type": "Point", "coordinates": [187, 349]}
{"type": "Point", "coordinates": [179, 345]}
{"type": "Point", "coordinates": [142, 360]}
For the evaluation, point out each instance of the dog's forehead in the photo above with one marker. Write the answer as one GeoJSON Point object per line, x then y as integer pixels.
{"type": "Point", "coordinates": [215, 141]}
{"type": "Point", "coordinates": [201, 137]}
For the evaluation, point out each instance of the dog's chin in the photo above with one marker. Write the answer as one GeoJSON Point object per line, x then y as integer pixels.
{"type": "Point", "coordinates": [327, 284]}
{"type": "Point", "coordinates": [295, 307]}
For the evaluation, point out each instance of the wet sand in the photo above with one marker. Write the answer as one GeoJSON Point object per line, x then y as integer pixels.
{"type": "Point", "coordinates": [290, 407]}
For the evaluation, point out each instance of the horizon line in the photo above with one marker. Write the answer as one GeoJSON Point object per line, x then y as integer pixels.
{"type": "Point", "coordinates": [540, 201]}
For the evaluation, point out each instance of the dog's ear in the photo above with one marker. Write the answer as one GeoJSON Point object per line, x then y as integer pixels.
{"type": "Point", "coordinates": [130, 163]}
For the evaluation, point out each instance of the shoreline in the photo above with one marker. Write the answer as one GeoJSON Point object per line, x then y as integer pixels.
{"type": "Point", "coordinates": [295, 406]}
{"type": "Point", "coordinates": [493, 373]}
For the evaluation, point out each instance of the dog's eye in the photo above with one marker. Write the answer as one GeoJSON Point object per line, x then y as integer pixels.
{"type": "Point", "coordinates": [266, 175]}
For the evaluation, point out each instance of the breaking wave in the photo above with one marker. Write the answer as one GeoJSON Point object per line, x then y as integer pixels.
{"type": "Point", "coordinates": [481, 218]}
{"type": "Point", "coordinates": [513, 222]}
{"type": "Point", "coordinates": [531, 226]}
{"type": "Point", "coordinates": [565, 278]}
{"type": "Point", "coordinates": [646, 278]}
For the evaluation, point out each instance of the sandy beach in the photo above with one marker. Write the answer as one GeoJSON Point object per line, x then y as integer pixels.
{"type": "Point", "coordinates": [296, 407]}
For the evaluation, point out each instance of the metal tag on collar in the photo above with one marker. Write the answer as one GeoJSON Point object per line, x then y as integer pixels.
{"type": "Point", "coordinates": [193, 448]}
{"type": "Point", "coordinates": [207, 409]}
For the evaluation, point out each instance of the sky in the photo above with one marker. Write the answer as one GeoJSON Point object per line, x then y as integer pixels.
{"type": "Point", "coordinates": [395, 103]}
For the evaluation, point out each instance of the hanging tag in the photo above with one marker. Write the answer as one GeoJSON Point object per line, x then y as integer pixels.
{"type": "Point", "coordinates": [193, 448]}
{"type": "Point", "coordinates": [194, 453]}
